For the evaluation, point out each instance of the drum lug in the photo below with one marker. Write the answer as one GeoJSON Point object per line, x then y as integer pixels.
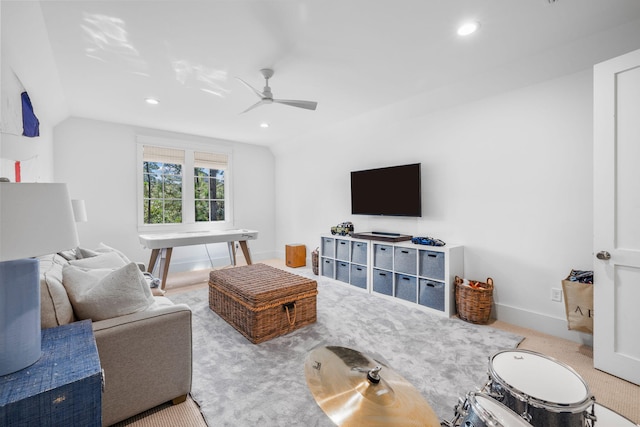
{"type": "Point", "coordinates": [526, 415]}
{"type": "Point", "coordinates": [495, 395]}
{"type": "Point", "coordinates": [590, 417]}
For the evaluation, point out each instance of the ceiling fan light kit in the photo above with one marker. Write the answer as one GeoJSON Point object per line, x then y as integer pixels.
{"type": "Point", "coordinates": [266, 96]}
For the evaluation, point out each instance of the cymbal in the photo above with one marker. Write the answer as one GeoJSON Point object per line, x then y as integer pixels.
{"type": "Point", "coordinates": [356, 390]}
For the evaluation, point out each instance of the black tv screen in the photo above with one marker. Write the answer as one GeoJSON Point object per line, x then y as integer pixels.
{"type": "Point", "coordinates": [393, 191]}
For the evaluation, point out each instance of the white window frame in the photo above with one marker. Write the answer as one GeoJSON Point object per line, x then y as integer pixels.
{"type": "Point", "coordinates": [188, 202]}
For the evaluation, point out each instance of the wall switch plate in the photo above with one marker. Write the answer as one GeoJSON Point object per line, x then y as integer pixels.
{"type": "Point", "coordinates": [556, 294]}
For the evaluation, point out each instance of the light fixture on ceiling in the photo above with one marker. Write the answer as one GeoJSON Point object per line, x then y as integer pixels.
{"type": "Point", "coordinates": [264, 125]}
{"type": "Point", "coordinates": [152, 101]}
{"type": "Point", "coordinates": [468, 28]}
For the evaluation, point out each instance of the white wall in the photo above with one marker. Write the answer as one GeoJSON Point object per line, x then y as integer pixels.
{"type": "Point", "coordinates": [509, 177]}
{"type": "Point", "coordinates": [98, 161]}
{"type": "Point", "coordinates": [25, 53]}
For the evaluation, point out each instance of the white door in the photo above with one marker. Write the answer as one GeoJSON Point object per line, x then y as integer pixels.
{"type": "Point", "coordinates": [616, 217]}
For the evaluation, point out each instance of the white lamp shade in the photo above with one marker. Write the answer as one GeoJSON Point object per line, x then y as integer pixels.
{"type": "Point", "coordinates": [79, 210]}
{"type": "Point", "coordinates": [35, 219]}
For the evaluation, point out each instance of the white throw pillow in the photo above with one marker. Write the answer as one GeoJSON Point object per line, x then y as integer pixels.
{"type": "Point", "coordinates": [105, 260]}
{"type": "Point", "coordinates": [102, 248]}
{"type": "Point", "coordinates": [100, 294]}
{"type": "Point", "coordinates": [84, 253]}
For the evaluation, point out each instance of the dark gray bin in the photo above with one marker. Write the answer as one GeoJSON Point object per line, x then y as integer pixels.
{"type": "Point", "coordinates": [431, 294]}
{"type": "Point", "coordinates": [359, 252]}
{"type": "Point", "coordinates": [359, 276]}
{"type": "Point", "coordinates": [342, 271]}
{"type": "Point", "coordinates": [406, 287]}
{"type": "Point", "coordinates": [342, 250]}
{"type": "Point", "coordinates": [327, 267]}
{"type": "Point", "coordinates": [383, 281]}
{"type": "Point", "coordinates": [404, 260]}
{"type": "Point", "coordinates": [383, 256]}
{"type": "Point", "coordinates": [432, 265]}
{"type": "Point", "coordinates": [328, 247]}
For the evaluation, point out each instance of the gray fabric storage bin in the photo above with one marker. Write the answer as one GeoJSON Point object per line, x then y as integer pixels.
{"type": "Point", "coordinates": [383, 256]}
{"type": "Point", "coordinates": [342, 249]}
{"type": "Point", "coordinates": [342, 271]}
{"type": "Point", "coordinates": [359, 276]}
{"type": "Point", "coordinates": [327, 267]}
{"type": "Point", "coordinates": [406, 287]}
{"type": "Point", "coordinates": [404, 260]}
{"type": "Point", "coordinates": [328, 247]}
{"type": "Point", "coordinates": [383, 281]}
{"type": "Point", "coordinates": [359, 252]}
{"type": "Point", "coordinates": [432, 265]}
{"type": "Point", "coordinates": [431, 294]}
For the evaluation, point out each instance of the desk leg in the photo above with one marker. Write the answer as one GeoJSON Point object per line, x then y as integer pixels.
{"type": "Point", "coordinates": [165, 259]}
{"type": "Point", "coordinates": [245, 251]}
{"type": "Point", "coordinates": [153, 260]}
{"type": "Point", "coordinates": [232, 253]}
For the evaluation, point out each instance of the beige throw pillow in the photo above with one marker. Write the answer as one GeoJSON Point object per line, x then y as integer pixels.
{"type": "Point", "coordinates": [106, 260]}
{"type": "Point", "coordinates": [104, 293]}
{"type": "Point", "coordinates": [102, 248]}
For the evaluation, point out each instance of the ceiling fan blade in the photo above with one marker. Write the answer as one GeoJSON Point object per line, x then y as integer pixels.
{"type": "Point", "coordinates": [257, 104]}
{"type": "Point", "coordinates": [309, 105]}
{"type": "Point", "coordinates": [256, 91]}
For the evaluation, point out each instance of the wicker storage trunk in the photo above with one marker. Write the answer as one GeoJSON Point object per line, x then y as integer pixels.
{"type": "Point", "coordinates": [473, 303]}
{"type": "Point", "coordinates": [262, 302]}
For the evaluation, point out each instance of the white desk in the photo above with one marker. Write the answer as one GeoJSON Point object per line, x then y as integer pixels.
{"type": "Point", "coordinates": [162, 245]}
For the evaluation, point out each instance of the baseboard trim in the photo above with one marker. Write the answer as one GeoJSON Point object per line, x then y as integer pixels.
{"type": "Point", "coordinates": [540, 322]}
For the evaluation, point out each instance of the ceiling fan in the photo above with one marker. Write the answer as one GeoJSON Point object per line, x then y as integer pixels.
{"type": "Point", "coordinates": [266, 97]}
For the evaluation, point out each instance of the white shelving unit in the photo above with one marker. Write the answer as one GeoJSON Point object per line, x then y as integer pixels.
{"type": "Point", "coordinates": [418, 274]}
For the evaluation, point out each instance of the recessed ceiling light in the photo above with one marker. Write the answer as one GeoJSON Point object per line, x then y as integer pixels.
{"type": "Point", "coordinates": [468, 28]}
{"type": "Point", "coordinates": [264, 125]}
{"type": "Point", "coordinates": [152, 101]}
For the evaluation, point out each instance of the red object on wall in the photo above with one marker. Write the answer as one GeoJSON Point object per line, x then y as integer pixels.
{"type": "Point", "coordinates": [17, 169]}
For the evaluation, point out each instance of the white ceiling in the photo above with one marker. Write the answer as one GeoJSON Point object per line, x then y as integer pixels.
{"type": "Point", "coordinates": [351, 56]}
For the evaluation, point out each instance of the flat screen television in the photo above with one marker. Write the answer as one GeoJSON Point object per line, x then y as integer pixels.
{"type": "Point", "coordinates": [392, 191]}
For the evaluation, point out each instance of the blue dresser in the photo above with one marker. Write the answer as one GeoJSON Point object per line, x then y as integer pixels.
{"type": "Point", "coordinates": [63, 388]}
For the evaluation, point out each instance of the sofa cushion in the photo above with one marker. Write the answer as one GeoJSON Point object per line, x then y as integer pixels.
{"type": "Point", "coordinates": [105, 260]}
{"type": "Point", "coordinates": [82, 253]}
{"type": "Point", "coordinates": [55, 308]}
{"type": "Point", "coordinates": [100, 294]}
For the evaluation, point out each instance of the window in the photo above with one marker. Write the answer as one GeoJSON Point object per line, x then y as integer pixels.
{"type": "Point", "coordinates": [162, 185]}
{"type": "Point", "coordinates": [183, 186]}
{"type": "Point", "coordinates": [209, 186]}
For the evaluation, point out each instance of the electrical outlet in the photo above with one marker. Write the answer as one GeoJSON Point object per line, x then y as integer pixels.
{"type": "Point", "coordinates": [556, 294]}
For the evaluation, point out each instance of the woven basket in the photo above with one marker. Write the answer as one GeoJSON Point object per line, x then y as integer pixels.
{"type": "Point", "coordinates": [262, 302]}
{"type": "Point", "coordinates": [474, 303]}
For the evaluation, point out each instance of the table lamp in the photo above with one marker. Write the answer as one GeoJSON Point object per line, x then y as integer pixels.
{"type": "Point", "coordinates": [35, 219]}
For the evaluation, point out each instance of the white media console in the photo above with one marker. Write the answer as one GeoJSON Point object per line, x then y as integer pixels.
{"type": "Point", "coordinates": [419, 274]}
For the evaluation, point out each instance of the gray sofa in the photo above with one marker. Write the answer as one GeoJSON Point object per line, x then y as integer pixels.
{"type": "Point", "coordinates": [145, 354]}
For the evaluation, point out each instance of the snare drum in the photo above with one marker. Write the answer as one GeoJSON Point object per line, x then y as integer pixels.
{"type": "Point", "coordinates": [480, 410]}
{"type": "Point", "coordinates": [606, 417]}
{"type": "Point", "coordinates": [545, 392]}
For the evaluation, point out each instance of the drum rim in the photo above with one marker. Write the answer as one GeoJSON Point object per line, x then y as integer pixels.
{"type": "Point", "coordinates": [490, 417]}
{"type": "Point", "coordinates": [538, 403]}
{"type": "Point", "coordinates": [595, 409]}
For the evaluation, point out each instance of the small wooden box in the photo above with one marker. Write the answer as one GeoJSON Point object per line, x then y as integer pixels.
{"type": "Point", "coordinates": [296, 255]}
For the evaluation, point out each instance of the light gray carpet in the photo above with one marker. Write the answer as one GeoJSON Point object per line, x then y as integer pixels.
{"type": "Point", "coordinates": [238, 383]}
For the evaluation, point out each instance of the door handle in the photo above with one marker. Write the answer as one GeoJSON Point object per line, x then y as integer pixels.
{"type": "Point", "coordinates": [603, 255]}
